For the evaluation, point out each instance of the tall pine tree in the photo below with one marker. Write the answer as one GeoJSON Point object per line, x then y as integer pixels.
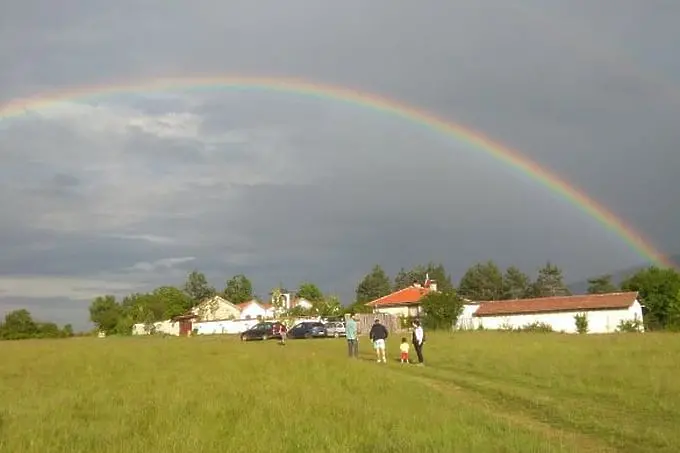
{"type": "Point", "coordinates": [374, 285]}
{"type": "Point", "coordinates": [483, 281]}
{"type": "Point", "coordinates": [549, 282]}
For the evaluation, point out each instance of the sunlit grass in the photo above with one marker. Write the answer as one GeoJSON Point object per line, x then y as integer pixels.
{"type": "Point", "coordinates": [480, 391]}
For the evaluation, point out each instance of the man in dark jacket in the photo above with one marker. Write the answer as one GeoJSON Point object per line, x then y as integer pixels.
{"type": "Point", "coordinates": [378, 335]}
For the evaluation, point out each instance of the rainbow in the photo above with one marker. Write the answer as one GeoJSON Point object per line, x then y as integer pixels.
{"type": "Point", "coordinates": [508, 156]}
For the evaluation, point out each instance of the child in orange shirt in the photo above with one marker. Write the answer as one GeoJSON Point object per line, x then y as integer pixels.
{"type": "Point", "coordinates": [404, 347]}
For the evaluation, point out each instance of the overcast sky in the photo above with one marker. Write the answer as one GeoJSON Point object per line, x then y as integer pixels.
{"type": "Point", "coordinates": [130, 192]}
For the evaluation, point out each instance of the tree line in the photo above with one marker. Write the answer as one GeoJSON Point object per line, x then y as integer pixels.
{"type": "Point", "coordinates": [117, 317]}
{"type": "Point", "coordinates": [659, 292]}
{"type": "Point", "coordinates": [658, 288]}
{"type": "Point", "coordinates": [20, 325]}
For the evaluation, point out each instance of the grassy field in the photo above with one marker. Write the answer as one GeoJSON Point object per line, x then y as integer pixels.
{"type": "Point", "coordinates": [480, 392]}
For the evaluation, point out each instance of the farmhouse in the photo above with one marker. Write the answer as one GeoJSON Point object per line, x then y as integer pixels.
{"type": "Point", "coordinates": [254, 310]}
{"type": "Point", "coordinates": [289, 301]}
{"type": "Point", "coordinates": [604, 312]}
{"type": "Point", "coordinates": [168, 327]}
{"type": "Point", "coordinates": [213, 309]}
{"type": "Point", "coordinates": [405, 302]}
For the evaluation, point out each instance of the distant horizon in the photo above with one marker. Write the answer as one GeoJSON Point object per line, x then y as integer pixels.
{"type": "Point", "coordinates": [581, 286]}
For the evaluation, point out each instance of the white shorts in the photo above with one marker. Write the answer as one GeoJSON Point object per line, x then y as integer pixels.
{"type": "Point", "coordinates": [379, 344]}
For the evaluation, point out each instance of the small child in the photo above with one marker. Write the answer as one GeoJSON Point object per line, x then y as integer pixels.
{"type": "Point", "coordinates": [404, 347]}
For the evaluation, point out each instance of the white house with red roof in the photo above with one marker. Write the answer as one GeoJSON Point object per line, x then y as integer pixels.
{"type": "Point", "coordinates": [604, 312]}
{"type": "Point", "coordinates": [405, 302]}
{"type": "Point", "coordinates": [254, 310]}
{"type": "Point", "coordinates": [288, 301]}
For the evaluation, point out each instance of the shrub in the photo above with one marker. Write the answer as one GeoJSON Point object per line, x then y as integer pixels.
{"type": "Point", "coordinates": [630, 325]}
{"type": "Point", "coordinates": [441, 309]}
{"type": "Point", "coordinates": [405, 322]}
{"type": "Point", "coordinates": [581, 320]}
{"type": "Point", "coordinates": [507, 327]}
{"type": "Point", "coordinates": [536, 327]}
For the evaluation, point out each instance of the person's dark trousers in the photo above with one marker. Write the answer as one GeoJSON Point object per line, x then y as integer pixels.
{"type": "Point", "coordinates": [419, 351]}
{"type": "Point", "coordinates": [353, 348]}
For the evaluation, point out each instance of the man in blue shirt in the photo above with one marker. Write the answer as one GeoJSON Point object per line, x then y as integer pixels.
{"type": "Point", "coordinates": [351, 333]}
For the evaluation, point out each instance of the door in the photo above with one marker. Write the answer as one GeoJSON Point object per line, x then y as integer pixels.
{"type": "Point", "coordinates": [184, 327]}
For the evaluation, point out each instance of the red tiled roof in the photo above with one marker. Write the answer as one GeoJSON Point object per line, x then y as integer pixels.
{"type": "Point", "coordinates": [406, 296]}
{"type": "Point", "coordinates": [562, 303]}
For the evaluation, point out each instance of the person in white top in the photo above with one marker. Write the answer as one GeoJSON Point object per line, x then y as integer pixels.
{"type": "Point", "coordinates": [418, 339]}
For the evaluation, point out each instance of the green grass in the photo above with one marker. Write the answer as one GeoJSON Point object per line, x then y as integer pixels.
{"type": "Point", "coordinates": [481, 392]}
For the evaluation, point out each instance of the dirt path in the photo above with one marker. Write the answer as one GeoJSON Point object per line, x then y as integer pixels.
{"type": "Point", "coordinates": [581, 442]}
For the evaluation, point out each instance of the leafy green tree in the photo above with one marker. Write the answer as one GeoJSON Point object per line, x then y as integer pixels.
{"type": "Point", "coordinates": [170, 302]}
{"type": "Point", "coordinates": [164, 302]}
{"type": "Point", "coordinates": [405, 278]}
{"type": "Point", "coordinates": [67, 330]}
{"type": "Point", "coordinates": [515, 284]}
{"type": "Point", "coordinates": [238, 289]}
{"type": "Point", "coordinates": [18, 325]}
{"type": "Point", "coordinates": [329, 306]}
{"type": "Point", "coordinates": [278, 300]}
{"type": "Point", "coordinates": [659, 291]}
{"type": "Point", "coordinates": [197, 287]}
{"type": "Point", "coordinates": [601, 285]}
{"type": "Point", "coordinates": [441, 309]}
{"type": "Point", "coordinates": [374, 285]}
{"type": "Point", "coordinates": [549, 282]}
{"type": "Point", "coordinates": [436, 272]}
{"type": "Point", "coordinates": [483, 281]}
{"type": "Point", "coordinates": [310, 291]}
{"type": "Point", "coordinates": [154, 306]}
{"type": "Point", "coordinates": [105, 313]}
{"type": "Point", "coordinates": [358, 307]}
{"type": "Point", "coordinates": [299, 311]}
{"type": "Point", "coordinates": [48, 330]}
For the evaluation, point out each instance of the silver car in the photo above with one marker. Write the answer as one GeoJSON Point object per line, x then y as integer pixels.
{"type": "Point", "coordinates": [335, 329]}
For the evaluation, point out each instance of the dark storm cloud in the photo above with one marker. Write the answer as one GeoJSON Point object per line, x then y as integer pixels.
{"type": "Point", "coordinates": [132, 191]}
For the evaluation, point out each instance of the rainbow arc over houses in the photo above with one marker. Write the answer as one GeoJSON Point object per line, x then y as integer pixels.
{"type": "Point", "coordinates": [503, 154]}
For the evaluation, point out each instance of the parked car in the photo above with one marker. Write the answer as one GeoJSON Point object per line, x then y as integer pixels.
{"type": "Point", "coordinates": [307, 329]}
{"type": "Point", "coordinates": [335, 329]}
{"type": "Point", "coordinates": [262, 331]}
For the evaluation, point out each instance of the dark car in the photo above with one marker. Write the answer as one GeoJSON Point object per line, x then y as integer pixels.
{"type": "Point", "coordinates": [262, 331]}
{"type": "Point", "coordinates": [308, 329]}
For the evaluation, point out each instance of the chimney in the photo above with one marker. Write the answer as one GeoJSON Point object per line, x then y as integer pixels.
{"type": "Point", "coordinates": [433, 285]}
{"type": "Point", "coordinates": [416, 284]}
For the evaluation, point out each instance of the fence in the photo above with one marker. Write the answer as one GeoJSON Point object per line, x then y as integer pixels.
{"type": "Point", "coordinates": [366, 320]}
